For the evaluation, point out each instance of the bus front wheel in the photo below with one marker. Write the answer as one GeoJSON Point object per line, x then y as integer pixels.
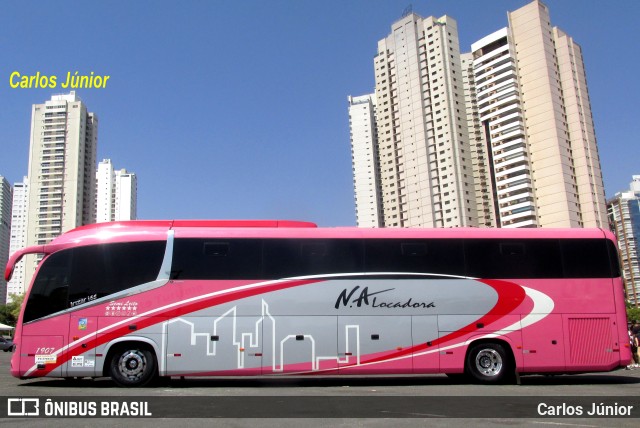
{"type": "Point", "coordinates": [489, 363]}
{"type": "Point", "coordinates": [132, 366]}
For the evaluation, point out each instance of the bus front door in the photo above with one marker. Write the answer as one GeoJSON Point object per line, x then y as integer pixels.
{"type": "Point", "coordinates": [41, 347]}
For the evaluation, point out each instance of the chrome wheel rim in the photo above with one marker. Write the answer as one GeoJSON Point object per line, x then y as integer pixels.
{"type": "Point", "coordinates": [489, 362]}
{"type": "Point", "coordinates": [132, 364]}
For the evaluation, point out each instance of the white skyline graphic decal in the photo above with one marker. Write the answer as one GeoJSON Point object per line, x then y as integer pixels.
{"type": "Point", "coordinates": [242, 340]}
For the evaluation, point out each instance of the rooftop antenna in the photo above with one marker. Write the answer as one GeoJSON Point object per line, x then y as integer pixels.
{"type": "Point", "coordinates": [407, 10]}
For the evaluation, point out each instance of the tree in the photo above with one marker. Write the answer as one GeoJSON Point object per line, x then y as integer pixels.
{"type": "Point", "coordinates": [633, 313]}
{"type": "Point", "coordinates": [9, 313]}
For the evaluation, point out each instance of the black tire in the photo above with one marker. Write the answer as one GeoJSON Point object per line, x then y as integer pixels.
{"type": "Point", "coordinates": [132, 366]}
{"type": "Point", "coordinates": [489, 363]}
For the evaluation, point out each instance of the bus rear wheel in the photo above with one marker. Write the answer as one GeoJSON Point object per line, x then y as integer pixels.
{"type": "Point", "coordinates": [132, 366]}
{"type": "Point", "coordinates": [489, 363]}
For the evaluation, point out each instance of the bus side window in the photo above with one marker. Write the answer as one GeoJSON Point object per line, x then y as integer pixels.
{"type": "Point", "coordinates": [487, 258]}
{"type": "Point", "coordinates": [101, 270]}
{"type": "Point", "coordinates": [585, 258]}
{"type": "Point", "coordinates": [195, 258]}
{"type": "Point", "coordinates": [434, 256]}
{"type": "Point", "coordinates": [294, 257]}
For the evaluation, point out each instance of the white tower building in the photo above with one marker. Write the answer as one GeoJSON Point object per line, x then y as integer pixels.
{"type": "Point", "coordinates": [19, 212]}
{"type": "Point", "coordinates": [5, 230]}
{"type": "Point", "coordinates": [364, 158]}
{"type": "Point", "coordinates": [116, 193]}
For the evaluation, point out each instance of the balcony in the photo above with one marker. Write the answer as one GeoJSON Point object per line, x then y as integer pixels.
{"type": "Point", "coordinates": [515, 195]}
{"type": "Point", "coordinates": [517, 209]}
{"type": "Point", "coordinates": [494, 88]}
{"type": "Point", "coordinates": [515, 186]}
{"type": "Point", "coordinates": [486, 59]}
{"type": "Point", "coordinates": [512, 161]}
{"type": "Point", "coordinates": [524, 214]}
{"type": "Point", "coordinates": [501, 147]}
{"type": "Point", "coordinates": [508, 151]}
{"type": "Point", "coordinates": [519, 132]}
{"type": "Point", "coordinates": [507, 75]}
{"type": "Point", "coordinates": [528, 222]}
{"type": "Point", "coordinates": [502, 177]}
{"type": "Point", "coordinates": [498, 97]}
{"type": "Point", "coordinates": [501, 110]}
{"type": "Point", "coordinates": [480, 68]}
{"type": "Point", "coordinates": [508, 124]}
{"type": "Point", "coordinates": [490, 72]}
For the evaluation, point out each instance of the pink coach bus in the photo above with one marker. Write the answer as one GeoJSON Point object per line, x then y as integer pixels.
{"type": "Point", "coordinates": [141, 299]}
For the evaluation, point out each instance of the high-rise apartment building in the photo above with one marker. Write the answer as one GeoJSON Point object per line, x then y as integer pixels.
{"type": "Point", "coordinates": [62, 163]}
{"type": "Point", "coordinates": [508, 183]}
{"type": "Point", "coordinates": [116, 193]}
{"type": "Point", "coordinates": [425, 162]}
{"type": "Point", "coordinates": [6, 195]}
{"type": "Point", "coordinates": [18, 235]}
{"type": "Point", "coordinates": [534, 108]}
{"type": "Point", "coordinates": [364, 158]}
{"type": "Point", "coordinates": [624, 220]}
{"type": "Point", "coordinates": [485, 201]}
{"type": "Point", "coordinates": [500, 137]}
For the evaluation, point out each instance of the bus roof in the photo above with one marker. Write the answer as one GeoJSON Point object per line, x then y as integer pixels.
{"type": "Point", "coordinates": [198, 223]}
{"type": "Point", "coordinates": [157, 230]}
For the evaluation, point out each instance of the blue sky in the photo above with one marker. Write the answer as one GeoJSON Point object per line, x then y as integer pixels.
{"type": "Point", "coordinates": [238, 109]}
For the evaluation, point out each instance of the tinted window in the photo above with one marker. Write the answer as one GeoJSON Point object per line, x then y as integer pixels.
{"type": "Point", "coordinates": [211, 259]}
{"type": "Point", "coordinates": [414, 256]}
{"type": "Point", "coordinates": [79, 275]}
{"type": "Point", "coordinates": [293, 257]}
{"type": "Point", "coordinates": [586, 258]}
{"type": "Point", "coordinates": [101, 270]}
{"type": "Point", "coordinates": [50, 289]}
{"type": "Point", "coordinates": [513, 258]}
